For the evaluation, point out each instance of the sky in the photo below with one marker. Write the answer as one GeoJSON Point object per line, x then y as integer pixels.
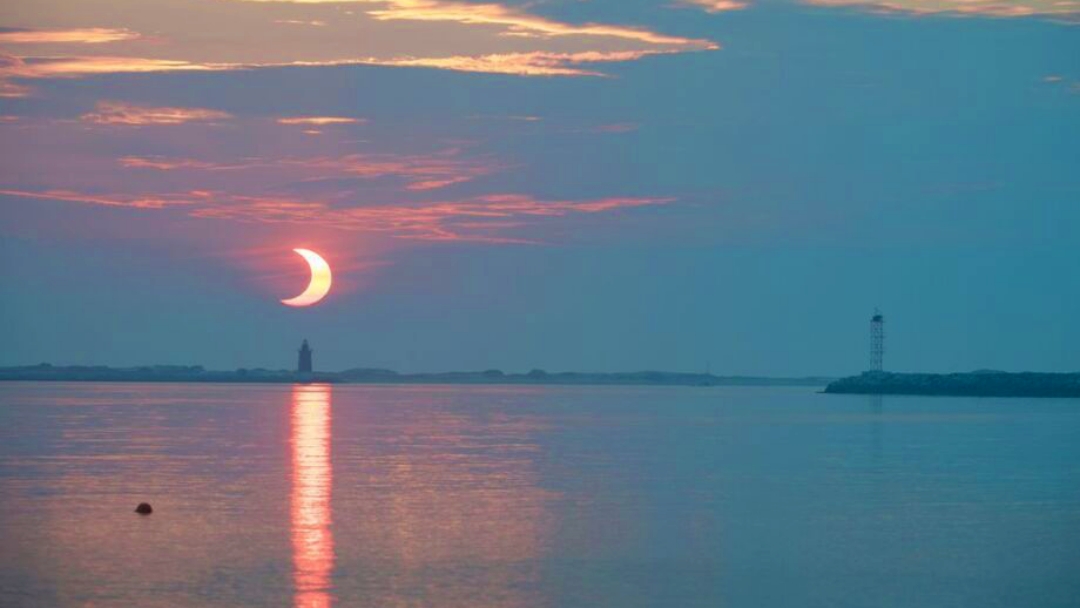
{"type": "Point", "coordinates": [590, 185]}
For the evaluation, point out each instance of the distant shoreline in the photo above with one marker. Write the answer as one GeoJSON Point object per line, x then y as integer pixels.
{"type": "Point", "coordinates": [971, 384]}
{"type": "Point", "coordinates": [197, 374]}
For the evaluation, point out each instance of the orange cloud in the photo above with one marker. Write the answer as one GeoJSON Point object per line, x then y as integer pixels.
{"type": "Point", "coordinates": [12, 67]}
{"type": "Point", "coordinates": [519, 64]}
{"type": "Point", "coordinates": [320, 120]}
{"type": "Point", "coordinates": [523, 64]}
{"type": "Point", "coordinates": [314, 23]}
{"type": "Point", "coordinates": [71, 67]}
{"type": "Point", "coordinates": [515, 20]}
{"type": "Point", "coordinates": [483, 37]}
{"type": "Point", "coordinates": [119, 113]}
{"type": "Point", "coordinates": [520, 22]}
{"type": "Point", "coordinates": [89, 35]}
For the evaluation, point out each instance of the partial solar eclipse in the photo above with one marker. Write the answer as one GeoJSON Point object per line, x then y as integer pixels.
{"type": "Point", "coordinates": [320, 280]}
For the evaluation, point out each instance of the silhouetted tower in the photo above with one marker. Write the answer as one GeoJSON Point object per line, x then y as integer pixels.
{"type": "Point", "coordinates": [877, 341]}
{"type": "Point", "coordinates": [304, 366]}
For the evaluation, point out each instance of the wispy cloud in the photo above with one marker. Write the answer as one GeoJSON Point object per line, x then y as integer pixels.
{"type": "Point", "coordinates": [119, 113]}
{"type": "Point", "coordinates": [524, 64]}
{"type": "Point", "coordinates": [516, 21]}
{"type": "Point", "coordinates": [519, 64]}
{"type": "Point", "coordinates": [461, 36]}
{"type": "Point", "coordinates": [520, 22]}
{"type": "Point", "coordinates": [11, 89]}
{"type": "Point", "coordinates": [32, 68]}
{"type": "Point", "coordinates": [313, 23]}
{"type": "Point", "coordinates": [1065, 10]}
{"type": "Point", "coordinates": [715, 6]}
{"type": "Point", "coordinates": [619, 127]}
{"type": "Point", "coordinates": [320, 120]}
{"type": "Point", "coordinates": [110, 200]}
{"type": "Point", "coordinates": [169, 164]}
{"type": "Point", "coordinates": [88, 35]}
{"type": "Point", "coordinates": [71, 67]}
{"type": "Point", "coordinates": [480, 219]}
{"type": "Point", "coordinates": [484, 219]}
{"type": "Point", "coordinates": [421, 172]}
{"type": "Point", "coordinates": [1068, 84]}
{"type": "Point", "coordinates": [417, 171]}
{"type": "Point", "coordinates": [510, 117]}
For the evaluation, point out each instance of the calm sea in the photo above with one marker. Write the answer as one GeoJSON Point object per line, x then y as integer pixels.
{"type": "Point", "coordinates": [450, 496]}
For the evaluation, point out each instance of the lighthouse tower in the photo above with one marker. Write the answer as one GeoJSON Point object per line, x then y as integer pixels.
{"type": "Point", "coordinates": [877, 341]}
{"type": "Point", "coordinates": [304, 365]}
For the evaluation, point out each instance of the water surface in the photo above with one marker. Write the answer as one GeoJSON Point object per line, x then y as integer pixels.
{"type": "Point", "coordinates": [452, 496]}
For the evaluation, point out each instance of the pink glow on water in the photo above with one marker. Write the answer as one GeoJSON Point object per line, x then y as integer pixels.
{"type": "Point", "coordinates": [310, 511]}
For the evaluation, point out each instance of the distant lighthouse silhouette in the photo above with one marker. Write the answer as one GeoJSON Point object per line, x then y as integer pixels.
{"type": "Point", "coordinates": [303, 366]}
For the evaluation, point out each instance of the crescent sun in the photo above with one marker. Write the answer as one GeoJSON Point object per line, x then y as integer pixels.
{"type": "Point", "coordinates": [320, 280]}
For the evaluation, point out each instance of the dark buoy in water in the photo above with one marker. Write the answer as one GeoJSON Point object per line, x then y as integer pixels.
{"type": "Point", "coordinates": [144, 508]}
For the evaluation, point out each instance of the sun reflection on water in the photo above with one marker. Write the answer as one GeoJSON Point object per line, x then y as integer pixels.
{"type": "Point", "coordinates": [312, 480]}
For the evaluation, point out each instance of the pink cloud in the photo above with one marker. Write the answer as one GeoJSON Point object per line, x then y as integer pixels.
{"type": "Point", "coordinates": [11, 89]}
{"type": "Point", "coordinates": [242, 180]}
{"type": "Point", "coordinates": [107, 200]}
{"type": "Point", "coordinates": [120, 113]}
{"type": "Point", "coordinates": [89, 35]}
{"type": "Point", "coordinates": [480, 219]}
{"type": "Point", "coordinates": [424, 172]}
{"type": "Point", "coordinates": [419, 171]}
{"type": "Point", "coordinates": [483, 219]}
{"type": "Point", "coordinates": [320, 120]}
{"type": "Point", "coordinates": [620, 127]}
{"type": "Point", "coordinates": [162, 164]}
{"type": "Point", "coordinates": [716, 6]}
